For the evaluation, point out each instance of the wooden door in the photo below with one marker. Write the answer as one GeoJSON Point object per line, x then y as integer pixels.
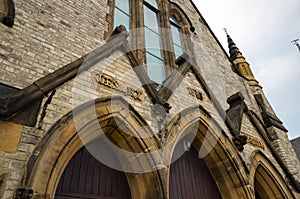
{"type": "Point", "coordinates": [191, 179]}
{"type": "Point", "coordinates": [87, 178]}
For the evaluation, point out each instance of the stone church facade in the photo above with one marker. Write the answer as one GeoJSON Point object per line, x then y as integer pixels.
{"type": "Point", "coordinates": [96, 101]}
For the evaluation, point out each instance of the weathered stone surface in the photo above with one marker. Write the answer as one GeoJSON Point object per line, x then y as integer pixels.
{"type": "Point", "coordinates": [10, 135]}
{"type": "Point", "coordinates": [50, 34]}
{"type": "Point", "coordinates": [296, 144]}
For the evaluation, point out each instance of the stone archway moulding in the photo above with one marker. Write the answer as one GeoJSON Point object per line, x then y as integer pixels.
{"type": "Point", "coordinates": [222, 158]}
{"type": "Point", "coordinates": [61, 143]}
{"type": "Point", "coordinates": [261, 165]}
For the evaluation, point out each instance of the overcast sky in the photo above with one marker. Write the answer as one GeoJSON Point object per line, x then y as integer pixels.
{"type": "Point", "coordinates": [263, 31]}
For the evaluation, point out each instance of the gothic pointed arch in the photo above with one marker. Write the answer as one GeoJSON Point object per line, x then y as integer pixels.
{"type": "Point", "coordinates": [181, 30]}
{"type": "Point", "coordinates": [266, 179]}
{"type": "Point", "coordinates": [214, 146]}
{"type": "Point", "coordinates": [182, 18]}
{"type": "Point", "coordinates": [118, 121]}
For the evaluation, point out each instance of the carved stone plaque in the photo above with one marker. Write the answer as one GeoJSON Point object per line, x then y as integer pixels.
{"type": "Point", "coordinates": [256, 142]}
{"type": "Point", "coordinates": [195, 93]}
{"type": "Point", "coordinates": [110, 83]}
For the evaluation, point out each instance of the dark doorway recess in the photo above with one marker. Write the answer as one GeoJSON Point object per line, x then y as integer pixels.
{"type": "Point", "coordinates": [87, 178]}
{"type": "Point", "coordinates": [191, 179]}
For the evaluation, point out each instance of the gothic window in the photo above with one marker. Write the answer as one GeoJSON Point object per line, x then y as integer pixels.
{"type": "Point", "coordinates": [176, 37]}
{"type": "Point", "coordinates": [122, 13]}
{"type": "Point", "coordinates": [153, 46]}
{"type": "Point", "coordinates": [152, 18]}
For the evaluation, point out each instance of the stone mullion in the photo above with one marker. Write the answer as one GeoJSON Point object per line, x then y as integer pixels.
{"type": "Point", "coordinates": [166, 37]}
{"type": "Point", "coordinates": [137, 33]}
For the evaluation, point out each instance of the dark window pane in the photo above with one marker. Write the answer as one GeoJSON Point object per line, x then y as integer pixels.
{"type": "Point", "coordinates": [121, 18]}
{"type": "Point", "coordinates": [174, 21]}
{"type": "Point", "coordinates": [153, 3]}
{"type": "Point", "coordinates": [155, 68]}
{"type": "Point", "coordinates": [123, 5]}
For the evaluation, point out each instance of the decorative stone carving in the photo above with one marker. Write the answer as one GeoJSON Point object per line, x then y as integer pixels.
{"type": "Point", "coordinates": [108, 82]}
{"type": "Point", "coordinates": [272, 135]}
{"type": "Point", "coordinates": [23, 193]}
{"type": "Point", "coordinates": [256, 142]}
{"type": "Point", "coordinates": [195, 93]}
{"type": "Point", "coordinates": [239, 141]}
{"type": "Point", "coordinates": [159, 113]}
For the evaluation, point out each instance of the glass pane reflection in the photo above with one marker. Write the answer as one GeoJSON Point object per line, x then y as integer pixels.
{"type": "Point", "coordinates": [153, 3]}
{"type": "Point", "coordinates": [155, 68]}
{"type": "Point", "coordinates": [121, 18]}
{"type": "Point", "coordinates": [123, 5]}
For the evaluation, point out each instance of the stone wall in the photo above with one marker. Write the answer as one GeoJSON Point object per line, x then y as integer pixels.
{"type": "Point", "coordinates": [20, 143]}
{"type": "Point", "coordinates": [48, 35]}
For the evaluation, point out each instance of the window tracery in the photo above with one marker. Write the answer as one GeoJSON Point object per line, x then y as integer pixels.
{"type": "Point", "coordinates": [160, 48]}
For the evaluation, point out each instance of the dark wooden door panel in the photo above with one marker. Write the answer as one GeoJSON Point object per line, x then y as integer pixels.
{"type": "Point", "coordinates": [87, 178]}
{"type": "Point", "coordinates": [191, 179]}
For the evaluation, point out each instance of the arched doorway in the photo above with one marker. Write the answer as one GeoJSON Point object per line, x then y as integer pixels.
{"type": "Point", "coordinates": [221, 161]}
{"type": "Point", "coordinates": [190, 178]}
{"type": "Point", "coordinates": [266, 179]}
{"type": "Point", "coordinates": [62, 142]}
{"type": "Point", "coordinates": [264, 185]}
{"type": "Point", "coordinates": [87, 178]}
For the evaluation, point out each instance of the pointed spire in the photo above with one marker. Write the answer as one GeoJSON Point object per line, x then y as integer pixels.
{"type": "Point", "coordinates": [234, 51]}
{"type": "Point", "coordinates": [239, 61]}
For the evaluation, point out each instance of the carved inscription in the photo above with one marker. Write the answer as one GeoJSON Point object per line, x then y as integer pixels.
{"type": "Point", "coordinates": [195, 93]}
{"type": "Point", "coordinates": [110, 83]}
{"type": "Point", "coordinates": [107, 81]}
{"type": "Point", "coordinates": [254, 141]}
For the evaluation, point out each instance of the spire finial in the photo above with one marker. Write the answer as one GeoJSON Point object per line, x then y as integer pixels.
{"type": "Point", "coordinates": [225, 29]}
{"type": "Point", "coordinates": [234, 52]}
{"type": "Point", "coordinates": [296, 43]}
{"type": "Point", "coordinates": [239, 60]}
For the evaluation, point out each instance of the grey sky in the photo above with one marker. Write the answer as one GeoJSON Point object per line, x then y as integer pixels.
{"type": "Point", "coordinates": [263, 31]}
